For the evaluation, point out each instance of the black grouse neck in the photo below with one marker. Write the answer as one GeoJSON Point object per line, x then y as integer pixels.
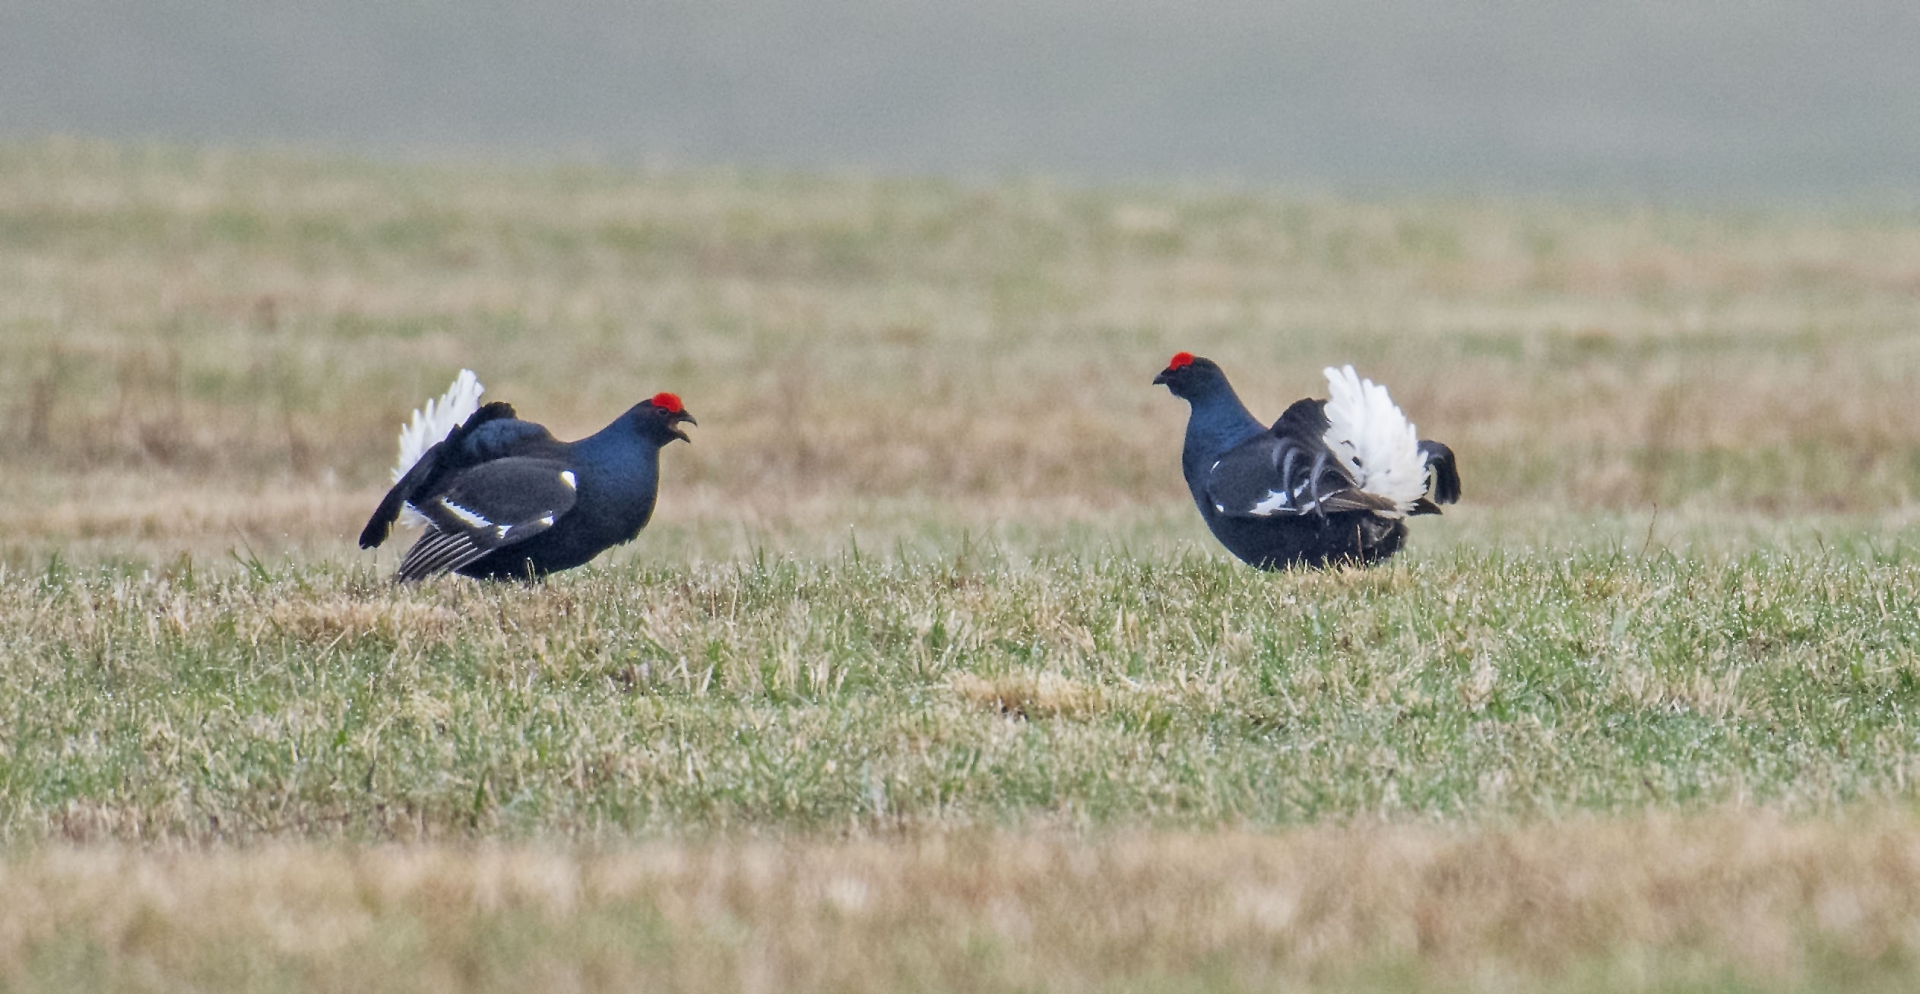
{"type": "Point", "coordinates": [1218, 417]}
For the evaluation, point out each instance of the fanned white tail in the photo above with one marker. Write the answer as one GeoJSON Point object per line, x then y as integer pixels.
{"type": "Point", "coordinates": [433, 423]}
{"type": "Point", "coordinates": [1373, 440]}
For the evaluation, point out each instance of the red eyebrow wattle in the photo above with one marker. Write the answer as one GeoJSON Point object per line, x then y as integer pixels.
{"type": "Point", "coordinates": [669, 403]}
{"type": "Point", "coordinates": [1180, 360]}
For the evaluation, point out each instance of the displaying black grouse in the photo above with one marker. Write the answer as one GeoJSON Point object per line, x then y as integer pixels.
{"type": "Point", "coordinates": [1332, 481]}
{"type": "Point", "coordinates": [503, 498]}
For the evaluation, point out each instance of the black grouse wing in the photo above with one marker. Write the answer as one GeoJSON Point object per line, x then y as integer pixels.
{"type": "Point", "coordinates": [1270, 477]}
{"type": "Point", "coordinates": [455, 451]}
{"type": "Point", "coordinates": [1287, 471]}
{"type": "Point", "coordinates": [488, 507]}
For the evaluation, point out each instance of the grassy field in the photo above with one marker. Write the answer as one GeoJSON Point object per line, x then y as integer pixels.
{"type": "Point", "coordinates": [927, 675]}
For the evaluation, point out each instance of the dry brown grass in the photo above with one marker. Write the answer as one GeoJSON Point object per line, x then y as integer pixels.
{"type": "Point", "coordinates": [195, 344]}
{"type": "Point", "coordinates": [1045, 695]}
{"type": "Point", "coordinates": [1731, 897]}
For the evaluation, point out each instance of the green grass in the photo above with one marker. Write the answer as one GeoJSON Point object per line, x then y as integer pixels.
{"type": "Point", "coordinates": [970, 688]}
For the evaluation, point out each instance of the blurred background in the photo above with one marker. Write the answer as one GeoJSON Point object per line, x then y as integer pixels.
{"type": "Point", "coordinates": [912, 264]}
{"type": "Point", "coordinates": [1696, 97]}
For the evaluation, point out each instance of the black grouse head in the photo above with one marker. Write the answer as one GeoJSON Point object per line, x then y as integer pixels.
{"type": "Point", "coordinates": [659, 418]}
{"type": "Point", "coordinates": [1190, 376]}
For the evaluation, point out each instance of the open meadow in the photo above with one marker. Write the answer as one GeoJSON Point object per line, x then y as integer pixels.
{"type": "Point", "coordinates": [926, 675]}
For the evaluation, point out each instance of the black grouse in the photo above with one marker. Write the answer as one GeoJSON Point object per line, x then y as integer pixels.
{"type": "Point", "coordinates": [1331, 482]}
{"type": "Point", "coordinates": [503, 498]}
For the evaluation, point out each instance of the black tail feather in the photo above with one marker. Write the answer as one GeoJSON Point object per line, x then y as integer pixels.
{"type": "Point", "coordinates": [384, 516]}
{"type": "Point", "coordinates": [1445, 487]}
{"type": "Point", "coordinates": [441, 455]}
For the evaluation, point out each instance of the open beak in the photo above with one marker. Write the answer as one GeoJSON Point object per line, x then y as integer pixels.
{"type": "Point", "coordinates": [675, 421]}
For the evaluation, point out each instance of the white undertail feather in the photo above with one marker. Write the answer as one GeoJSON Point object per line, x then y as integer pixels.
{"type": "Point", "coordinates": [1373, 440]}
{"type": "Point", "coordinates": [433, 423]}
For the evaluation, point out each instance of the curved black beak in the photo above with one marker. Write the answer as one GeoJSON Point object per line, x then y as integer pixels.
{"type": "Point", "coordinates": [676, 419]}
{"type": "Point", "coordinates": [1161, 380]}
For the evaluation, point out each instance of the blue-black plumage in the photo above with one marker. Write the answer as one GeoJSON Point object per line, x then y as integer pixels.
{"type": "Point", "coordinates": [505, 499]}
{"type": "Point", "coordinates": [1329, 482]}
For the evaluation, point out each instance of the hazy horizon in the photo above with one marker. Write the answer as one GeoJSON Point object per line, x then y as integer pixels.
{"type": "Point", "coordinates": [1763, 100]}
